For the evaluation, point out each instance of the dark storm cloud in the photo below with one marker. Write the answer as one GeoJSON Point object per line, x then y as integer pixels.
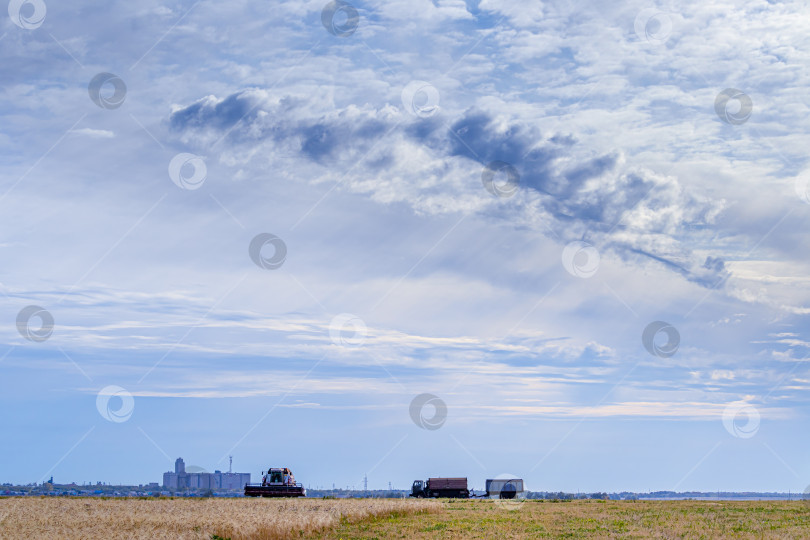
{"type": "Point", "coordinates": [585, 193]}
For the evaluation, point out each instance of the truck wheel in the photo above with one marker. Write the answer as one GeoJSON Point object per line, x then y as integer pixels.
{"type": "Point", "coordinates": [420, 496]}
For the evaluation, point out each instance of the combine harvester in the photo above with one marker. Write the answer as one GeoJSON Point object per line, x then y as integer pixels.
{"type": "Point", "coordinates": [276, 483]}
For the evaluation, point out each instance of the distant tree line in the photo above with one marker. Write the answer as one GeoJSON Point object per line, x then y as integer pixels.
{"type": "Point", "coordinates": [561, 496]}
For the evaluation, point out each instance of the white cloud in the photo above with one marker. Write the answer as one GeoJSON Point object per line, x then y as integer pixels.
{"type": "Point", "coordinates": [94, 133]}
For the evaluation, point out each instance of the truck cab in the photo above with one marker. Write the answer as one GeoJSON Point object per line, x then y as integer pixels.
{"type": "Point", "coordinates": [418, 489]}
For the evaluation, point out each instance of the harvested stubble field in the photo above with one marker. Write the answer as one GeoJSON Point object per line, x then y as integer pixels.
{"type": "Point", "coordinates": [395, 518]}
{"type": "Point", "coordinates": [592, 519]}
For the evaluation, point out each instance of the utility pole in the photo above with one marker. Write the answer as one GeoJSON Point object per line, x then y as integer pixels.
{"type": "Point", "coordinates": [365, 482]}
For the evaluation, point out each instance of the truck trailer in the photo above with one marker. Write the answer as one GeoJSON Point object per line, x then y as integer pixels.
{"type": "Point", "coordinates": [440, 487]}
{"type": "Point", "coordinates": [504, 488]}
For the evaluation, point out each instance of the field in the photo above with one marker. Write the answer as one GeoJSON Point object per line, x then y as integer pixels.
{"type": "Point", "coordinates": [393, 518]}
{"type": "Point", "coordinates": [593, 519]}
{"type": "Point", "coordinates": [237, 519]}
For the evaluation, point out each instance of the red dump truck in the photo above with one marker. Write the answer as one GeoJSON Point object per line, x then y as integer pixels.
{"type": "Point", "coordinates": [441, 487]}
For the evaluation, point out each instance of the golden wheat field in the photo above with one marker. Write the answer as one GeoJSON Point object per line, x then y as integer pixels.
{"type": "Point", "coordinates": [237, 519]}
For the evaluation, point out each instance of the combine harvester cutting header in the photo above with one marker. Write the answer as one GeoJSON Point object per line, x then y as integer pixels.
{"type": "Point", "coordinates": [276, 483]}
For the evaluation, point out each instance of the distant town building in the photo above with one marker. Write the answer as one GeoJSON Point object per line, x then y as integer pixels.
{"type": "Point", "coordinates": [180, 479]}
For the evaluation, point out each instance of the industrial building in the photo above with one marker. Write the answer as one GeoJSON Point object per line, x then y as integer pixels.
{"type": "Point", "coordinates": [180, 479]}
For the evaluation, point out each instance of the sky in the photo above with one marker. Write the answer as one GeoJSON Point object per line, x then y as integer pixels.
{"type": "Point", "coordinates": [565, 241]}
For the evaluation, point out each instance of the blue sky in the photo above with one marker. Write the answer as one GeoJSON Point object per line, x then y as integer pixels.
{"type": "Point", "coordinates": [622, 190]}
